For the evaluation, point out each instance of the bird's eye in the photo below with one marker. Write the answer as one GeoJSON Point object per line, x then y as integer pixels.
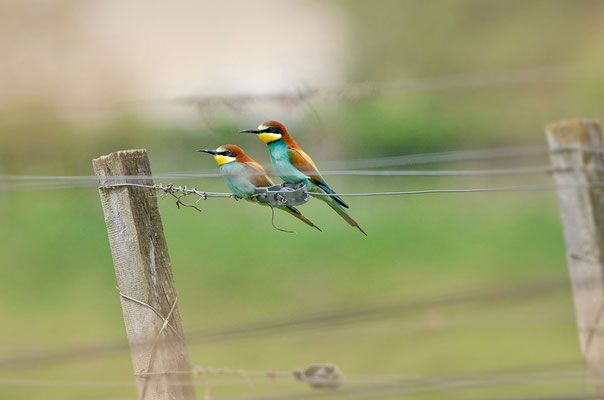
{"type": "Point", "coordinates": [270, 129]}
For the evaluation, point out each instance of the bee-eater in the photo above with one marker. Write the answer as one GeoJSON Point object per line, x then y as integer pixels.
{"type": "Point", "coordinates": [293, 165]}
{"type": "Point", "coordinates": [243, 175]}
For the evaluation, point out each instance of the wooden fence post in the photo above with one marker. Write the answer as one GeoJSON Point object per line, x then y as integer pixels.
{"type": "Point", "coordinates": [144, 278]}
{"type": "Point", "coordinates": [577, 158]}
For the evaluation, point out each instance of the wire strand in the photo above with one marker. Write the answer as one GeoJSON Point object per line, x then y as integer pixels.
{"type": "Point", "coordinates": [83, 179]}
{"type": "Point", "coordinates": [522, 188]}
{"type": "Point", "coordinates": [358, 167]}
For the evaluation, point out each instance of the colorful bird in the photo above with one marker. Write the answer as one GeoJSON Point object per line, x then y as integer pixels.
{"type": "Point", "coordinates": [243, 175]}
{"type": "Point", "coordinates": [293, 165]}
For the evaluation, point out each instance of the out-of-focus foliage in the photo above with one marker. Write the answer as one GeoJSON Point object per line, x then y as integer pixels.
{"type": "Point", "coordinates": [390, 40]}
{"type": "Point", "coordinates": [397, 39]}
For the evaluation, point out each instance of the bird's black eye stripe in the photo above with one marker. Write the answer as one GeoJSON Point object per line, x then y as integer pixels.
{"type": "Point", "coordinates": [271, 129]}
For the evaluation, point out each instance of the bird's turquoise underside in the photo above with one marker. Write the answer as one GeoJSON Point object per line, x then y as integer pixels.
{"type": "Point", "coordinates": [237, 177]}
{"type": "Point", "coordinates": [279, 154]}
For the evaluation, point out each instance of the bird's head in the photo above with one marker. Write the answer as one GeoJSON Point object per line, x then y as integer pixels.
{"type": "Point", "coordinates": [269, 131]}
{"type": "Point", "coordinates": [225, 154]}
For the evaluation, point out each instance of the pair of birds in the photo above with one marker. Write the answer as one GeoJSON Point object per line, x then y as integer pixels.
{"type": "Point", "coordinates": [243, 175]}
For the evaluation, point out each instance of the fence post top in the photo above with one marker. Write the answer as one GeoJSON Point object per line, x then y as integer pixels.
{"type": "Point", "coordinates": [577, 127]}
{"type": "Point", "coordinates": [121, 153]}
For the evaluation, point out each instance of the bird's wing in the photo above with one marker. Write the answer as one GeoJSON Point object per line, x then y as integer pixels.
{"type": "Point", "coordinates": [305, 164]}
{"type": "Point", "coordinates": [258, 175]}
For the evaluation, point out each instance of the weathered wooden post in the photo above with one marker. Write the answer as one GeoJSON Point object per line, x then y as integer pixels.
{"type": "Point", "coordinates": [578, 162]}
{"type": "Point", "coordinates": [144, 278]}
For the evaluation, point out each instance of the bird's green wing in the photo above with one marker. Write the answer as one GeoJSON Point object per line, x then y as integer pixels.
{"type": "Point", "coordinates": [305, 164]}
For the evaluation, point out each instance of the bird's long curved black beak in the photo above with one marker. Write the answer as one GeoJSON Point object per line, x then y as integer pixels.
{"type": "Point", "coordinates": [209, 151]}
{"type": "Point", "coordinates": [254, 131]}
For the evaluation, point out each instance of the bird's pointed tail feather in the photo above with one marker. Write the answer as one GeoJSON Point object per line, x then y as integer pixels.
{"type": "Point", "coordinates": [329, 190]}
{"type": "Point", "coordinates": [341, 212]}
{"type": "Point", "coordinates": [296, 213]}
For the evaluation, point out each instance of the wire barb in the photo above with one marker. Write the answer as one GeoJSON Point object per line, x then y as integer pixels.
{"type": "Point", "coordinates": [170, 190]}
{"type": "Point", "coordinates": [156, 342]}
{"type": "Point", "coordinates": [178, 192]}
{"type": "Point", "coordinates": [165, 320]}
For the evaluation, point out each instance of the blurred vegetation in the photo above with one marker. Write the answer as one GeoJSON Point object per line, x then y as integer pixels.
{"type": "Point", "coordinates": [57, 287]}
{"type": "Point", "coordinates": [393, 40]}
{"type": "Point", "coordinates": [398, 39]}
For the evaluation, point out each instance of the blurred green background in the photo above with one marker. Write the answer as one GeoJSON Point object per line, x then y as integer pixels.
{"type": "Point", "coordinates": [83, 79]}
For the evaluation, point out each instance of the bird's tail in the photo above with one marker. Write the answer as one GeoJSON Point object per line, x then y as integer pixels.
{"type": "Point", "coordinates": [296, 213]}
{"type": "Point", "coordinates": [340, 210]}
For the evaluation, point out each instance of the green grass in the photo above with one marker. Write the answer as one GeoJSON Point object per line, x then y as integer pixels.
{"type": "Point", "coordinates": [57, 287]}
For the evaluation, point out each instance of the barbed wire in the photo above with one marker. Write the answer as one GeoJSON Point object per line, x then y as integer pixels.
{"type": "Point", "coordinates": [184, 191]}
{"type": "Point", "coordinates": [178, 192]}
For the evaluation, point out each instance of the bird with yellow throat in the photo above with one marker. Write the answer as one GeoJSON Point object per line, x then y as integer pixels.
{"type": "Point", "coordinates": [243, 175]}
{"type": "Point", "coordinates": [293, 165]}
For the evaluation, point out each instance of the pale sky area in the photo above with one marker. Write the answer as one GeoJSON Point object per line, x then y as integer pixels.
{"type": "Point", "coordinates": [88, 53]}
